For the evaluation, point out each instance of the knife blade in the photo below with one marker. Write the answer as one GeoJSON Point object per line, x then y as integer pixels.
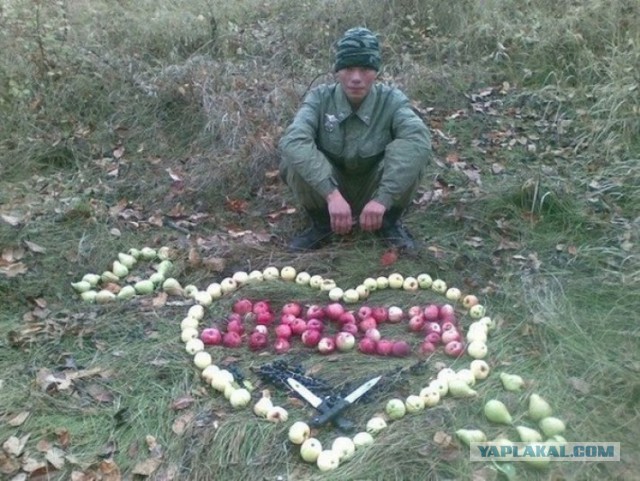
{"type": "Point", "coordinates": [320, 404]}
{"type": "Point", "coordinates": [341, 404]}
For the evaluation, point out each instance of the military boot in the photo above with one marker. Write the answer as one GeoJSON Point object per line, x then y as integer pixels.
{"type": "Point", "coordinates": [317, 235]}
{"type": "Point", "coordinates": [394, 233]}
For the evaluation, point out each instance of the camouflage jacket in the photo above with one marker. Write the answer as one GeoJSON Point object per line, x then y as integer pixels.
{"type": "Point", "coordinates": [326, 132]}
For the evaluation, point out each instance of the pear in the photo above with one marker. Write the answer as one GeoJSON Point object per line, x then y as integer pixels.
{"type": "Point", "coordinates": [127, 292]}
{"type": "Point", "coordinates": [511, 382]}
{"type": "Point", "coordinates": [497, 412]}
{"type": "Point", "coordinates": [539, 462]}
{"type": "Point", "coordinates": [538, 408]}
{"type": "Point", "coordinates": [81, 286]}
{"type": "Point", "coordinates": [528, 435]}
{"type": "Point", "coordinates": [459, 388]}
{"type": "Point", "coordinates": [551, 426]}
{"type": "Point", "coordinates": [468, 436]}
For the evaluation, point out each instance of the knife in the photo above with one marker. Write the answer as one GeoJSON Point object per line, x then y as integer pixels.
{"type": "Point", "coordinates": [320, 404]}
{"type": "Point", "coordinates": [333, 413]}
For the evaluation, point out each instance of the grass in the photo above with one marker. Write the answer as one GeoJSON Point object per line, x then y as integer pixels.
{"type": "Point", "coordinates": [155, 124]}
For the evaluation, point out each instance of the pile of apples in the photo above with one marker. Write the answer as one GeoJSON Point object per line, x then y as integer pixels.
{"type": "Point", "coordinates": [334, 327]}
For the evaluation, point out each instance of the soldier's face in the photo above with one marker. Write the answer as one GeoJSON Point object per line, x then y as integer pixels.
{"type": "Point", "coordinates": [356, 83]}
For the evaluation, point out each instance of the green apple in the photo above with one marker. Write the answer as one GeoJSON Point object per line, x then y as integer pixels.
{"type": "Point", "coordinates": [288, 273]}
{"type": "Point", "coordinates": [303, 278]}
{"type": "Point", "coordinates": [336, 294]}
{"type": "Point", "coordinates": [270, 273]}
{"type": "Point", "coordinates": [395, 408]}
{"type": "Point", "coordinates": [240, 277]}
{"type": "Point", "coordinates": [382, 282]}
{"type": "Point", "coordinates": [370, 283]}
{"type": "Point", "coordinates": [350, 296]}
{"type": "Point", "coordinates": [410, 284]}
{"type": "Point", "coordinates": [310, 450]}
{"type": "Point", "coordinates": [439, 286]}
{"type": "Point", "coordinates": [228, 284]}
{"type": "Point", "coordinates": [396, 280]}
{"type": "Point", "coordinates": [315, 281]}
{"type": "Point", "coordinates": [424, 281]}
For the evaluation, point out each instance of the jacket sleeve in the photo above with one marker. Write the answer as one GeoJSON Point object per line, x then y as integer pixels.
{"type": "Point", "coordinates": [406, 156]}
{"type": "Point", "coordinates": [298, 149]}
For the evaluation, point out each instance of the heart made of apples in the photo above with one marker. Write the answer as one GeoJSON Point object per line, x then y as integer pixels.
{"type": "Point", "coordinates": [435, 321]}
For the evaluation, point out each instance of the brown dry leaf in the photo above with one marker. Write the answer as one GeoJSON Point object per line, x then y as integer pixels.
{"type": "Point", "coordinates": [43, 445]}
{"type": "Point", "coordinates": [442, 439]}
{"type": "Point", "coordinates": [147, 467]}
{"type": "Point", "coordinates": [14, 445]}
{"type": "Point", "coordinates": [474, 241]}
{"type": "Point", "coordinates": [55, 456]}
{"type": "Point", "coordinates": [14, 270]}
{"type": "Point", "coordinates": [438, 253]}
{"type": "Point", "coordinates": [182, 422]}
{"type": "Point", "coordinates": [160, 300]}
{"type": "Point", "coordinates": [99, 393]}
{"type": "Point", "coordinates": [453, 158]}
{"type": "Point", "coordinates": [580, 385]}
{"type": "Point", "coordinates": [508, 245]}
{"type": "Point", "coordinates": [33, 247]}
{"type": "Point", "coordinates": [168, 474]}
{"type": "Point", "coordinates": [64, 438]}
{"type": "Point", "coordinates": [18, 419]}
{"type": "Point", "coordinates": [573, 250]}
{"type": "Point", "coordinates": [215, 264]}
{"type": "Point", "coordinates": [497, 168]}
{"type": "Point", "coordinates": [183, 402]}
{"type": "Point", "coordinates": [8, 464]}
{"type": "Point", "coordinates": [109, 471]}
{"type": "Point", "coordinates": [30, 464]}
{"type": "Point", "coordinates": [238, 206]}
{"type": "Point", "coordinates": [194, 258]}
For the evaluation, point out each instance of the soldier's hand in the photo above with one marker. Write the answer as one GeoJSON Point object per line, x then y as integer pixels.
{"type": "Point", "coordinates": [340, 213]}
{"type": "Point", "coordinates": [371, 216]}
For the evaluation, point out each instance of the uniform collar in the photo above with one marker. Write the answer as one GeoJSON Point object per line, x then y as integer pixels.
{"type": "Point", "coordinates": [343, 107]}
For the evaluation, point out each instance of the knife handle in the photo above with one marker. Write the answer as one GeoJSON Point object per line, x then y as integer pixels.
{"type": "Point", "coordinates": [330, 414]}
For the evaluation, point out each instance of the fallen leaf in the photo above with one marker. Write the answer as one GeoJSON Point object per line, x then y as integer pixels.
{"type": "Point", "coordinates": [215, 264]}
{"type": "Point", "coordinates": [183, 402]}
{"type": "Point", "coordinates": [99, 393]}
{"type": "Point", "coordinates": [118, 152]}
{"type": "Point", "coordinates": [56, 457]}
{"type": "Point", "coordinates": [147, 467]}
{"type": "Point", "coordinates": [33, 247]}
{"type": "Point", "coordinates": [13, 270]}
{"type": "Point", "coordinates": [18, 419]}
{"type": "Point", "coordinates": [30, 464]}
{"type": "Point", "coordinates": [15, 445]}
{"type": "Point", "coordinates": [109, 471]}
{"type": "Point", "coordinates": [63, 437]}
{"type": "Point", "coordinates": [442, 439]}
{"type": "Point", "coordinates": [580, 385]}
{"type": "Point", "coordinates": [182, 422]}
{"type": "Point", "coordinates": [160, 300]}
{"type": "Point", "coordinates": [8, 464]}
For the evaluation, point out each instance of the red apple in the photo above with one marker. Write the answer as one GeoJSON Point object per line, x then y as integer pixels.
{"type": "Point", "coordinates": [416, 323]}
{"type": "Point", "coordinates": [380, 314]}
{"type": "Point", "coordinates": [314, 311]}
{"type": "Point", "coordinates": [448, 326]}
{"type": "Point", "coordinates": [350, 327]}
{"type": "Point", "coordinates": [235, 326]}
{"type": "Point", "coordinates": [231, 339]}
{"type": "Point", "coordinates": [367, 345]}
{"type": "Point", "coordinates": [261, 306]}
{"type": "Point", "coordinates": [400, 349]}
{"type": "Point", "coordinates": [446, 311]}
{"type": "Point", "coordinates": [373, 333]}
{"type": "Point", "coordinates": [242, 306]}
{"type": "Point", "coordinates": [311, 337]}
{"type": "Point", "coordinates": [283, 331]}
{"type": "Point", "coordinates": [334, 311]}
{"type": "Point", "coordinates": [281, 345]}
{"type": "Point", "coordinates": [298, 326]}
{"type": "Point", "coordinates": [432, 327]}
{"type": "Point", "coordinates": [427, 348]}
{"type": "Point", "coordinates": [431, 312]}
{"type": "Point", "coordinates": [316, 324]}
{"type": "Point", "coordinates": [326, 345]}
{"type": "Point", "coordinates": [257, 341]}
{"type": "Point", "coordinates": [211, 336]}
{"type": "Point", "coordinates": [367, 323]}
{"type": "Point", "coordinates": [454, 349]}
{"type": "Point", "coordinates": [287, 318]}
{"type": "Point", "coordinates": [448, 318]}
{"type": "Point", "coordinates": [234, 316]}
{"type": "Point", "coordinates": [415, 311]}
{"type": "Point", "coordinates": [384, 347]}
{"type": "Point", "coordinates": [450, 336]}
{"type": "Point", "coordinates": [347, 317]}
{"type": "Point", "coordinates": [345, 341]}
{"type": "Point", "coordinates": [292, 308]}
{"type": "Point", "coordinates": [433, 338]}
{"type": "Point", "coordinates": [364, 312]}
{"type": "Point", "coordinates": [265, 318]}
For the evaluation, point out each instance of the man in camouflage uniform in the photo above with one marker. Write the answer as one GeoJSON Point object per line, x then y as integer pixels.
{"type": "Point", "coordinates": [355, 150]}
